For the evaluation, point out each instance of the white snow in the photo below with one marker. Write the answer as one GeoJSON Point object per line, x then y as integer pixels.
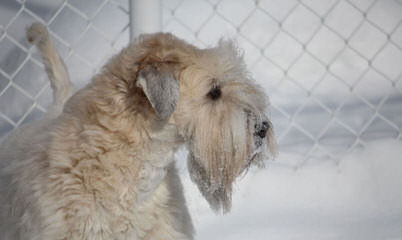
{"type": "Point", "coordinates": [360, 198]}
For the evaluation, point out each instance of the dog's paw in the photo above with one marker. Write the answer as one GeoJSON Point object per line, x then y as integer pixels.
{"type": "Point", "coordinates": [36, 33]}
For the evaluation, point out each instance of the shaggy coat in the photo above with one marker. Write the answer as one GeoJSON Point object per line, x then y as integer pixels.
{"type": "Point", "coordinates": [102, 166]}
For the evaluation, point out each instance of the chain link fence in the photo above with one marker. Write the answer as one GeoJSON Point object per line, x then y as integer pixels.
{"type": "Point", "coordinates": [332, 68]}
{"type": "Point", "coordinates": [86, 33]}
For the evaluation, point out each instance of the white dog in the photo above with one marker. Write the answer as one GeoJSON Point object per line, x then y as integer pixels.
{"type": "Point", "coordinates": [100, 165]}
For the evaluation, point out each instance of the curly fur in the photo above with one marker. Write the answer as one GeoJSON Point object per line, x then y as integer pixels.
{"type": "Point", "coordinates": [104, 169]}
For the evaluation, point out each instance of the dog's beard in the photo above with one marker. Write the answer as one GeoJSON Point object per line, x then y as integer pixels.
{"type": "Point", "coordinates": [222, 148]}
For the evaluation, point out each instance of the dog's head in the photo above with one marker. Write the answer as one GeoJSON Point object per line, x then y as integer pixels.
{"type": "Point", "coordinates": [215, 105]}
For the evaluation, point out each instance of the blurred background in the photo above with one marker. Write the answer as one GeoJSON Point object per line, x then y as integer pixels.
{"type": "Point", "coordinates": [332, 69]}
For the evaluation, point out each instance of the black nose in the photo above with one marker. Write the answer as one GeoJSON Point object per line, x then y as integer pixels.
{"type": "Point", "coordinates": [262, 129]}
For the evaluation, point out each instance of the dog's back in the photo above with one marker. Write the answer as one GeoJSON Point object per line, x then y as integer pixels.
{"type": "Point", "coordinates": [27, 143]}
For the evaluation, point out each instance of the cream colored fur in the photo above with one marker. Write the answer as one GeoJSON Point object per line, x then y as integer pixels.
{"type": "Point", "coordinates": [103, 168]}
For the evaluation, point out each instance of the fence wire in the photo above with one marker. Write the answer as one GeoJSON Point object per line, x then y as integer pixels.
{"type": "Point", "coordinates": [86, 33]}
{"type": "Point", "coordinates": [332, 68]}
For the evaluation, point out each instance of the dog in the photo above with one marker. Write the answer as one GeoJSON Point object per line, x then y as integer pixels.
{"type": "Point", "coordinates": [100, 164]}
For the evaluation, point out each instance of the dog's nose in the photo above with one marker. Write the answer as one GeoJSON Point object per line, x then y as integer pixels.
{"type": "Point", "coordinates": [262, 130]}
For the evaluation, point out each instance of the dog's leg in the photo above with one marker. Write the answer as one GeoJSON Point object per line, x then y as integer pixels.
{"type": "Point", "coordinates": [54, 66]}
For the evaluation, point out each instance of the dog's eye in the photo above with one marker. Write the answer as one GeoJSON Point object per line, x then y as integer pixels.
{"type": "Point", "coordinates": [171, 62]}
{"type": "Point", "coordinates": [215, 93]}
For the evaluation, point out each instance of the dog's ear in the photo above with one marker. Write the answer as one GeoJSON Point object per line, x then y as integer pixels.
{"type": "Point", "coordinates": [160, 86]}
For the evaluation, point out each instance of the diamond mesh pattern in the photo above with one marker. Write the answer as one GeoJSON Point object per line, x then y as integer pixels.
{"type": "Point", "coordinates": [85, 32]}
{"type": "Point", "coordinates": [332, 68]}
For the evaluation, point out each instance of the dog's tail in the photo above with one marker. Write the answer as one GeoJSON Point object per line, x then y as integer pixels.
{"type": "Point", "coordinates": [55, 68]}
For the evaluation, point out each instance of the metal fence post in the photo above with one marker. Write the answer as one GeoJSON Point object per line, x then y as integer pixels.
{"type": "Point", "coordinates": [145, 17]}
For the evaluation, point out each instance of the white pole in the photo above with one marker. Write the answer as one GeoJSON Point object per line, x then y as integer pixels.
{"type": "Point", "coordinates": [145, 17]}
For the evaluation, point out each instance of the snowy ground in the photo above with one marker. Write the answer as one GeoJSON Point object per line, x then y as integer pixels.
{"type": "Point", "coordinates": [361, 198]}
